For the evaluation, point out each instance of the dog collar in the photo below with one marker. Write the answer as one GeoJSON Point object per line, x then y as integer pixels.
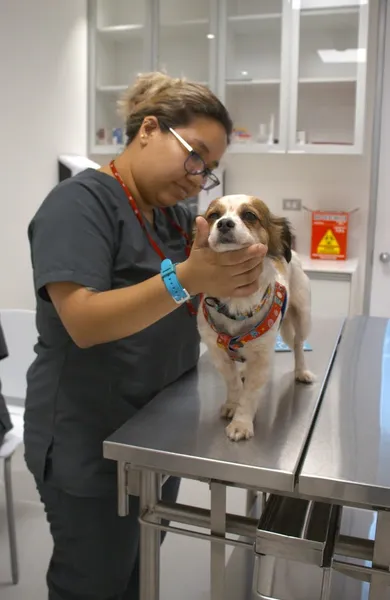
{"type": "Point", "coordinates": [223, 309]}
{"type": "Point", "coordinates": [232, 344]}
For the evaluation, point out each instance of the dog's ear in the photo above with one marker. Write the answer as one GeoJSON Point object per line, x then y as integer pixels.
{"type": "Point", "coordinates": [280, 237]}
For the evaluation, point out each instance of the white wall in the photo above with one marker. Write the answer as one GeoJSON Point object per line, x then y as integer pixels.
{"type": "Point", "coordinates": [44, 70]}
{"type": "Point", "coordinates": [43, 100]}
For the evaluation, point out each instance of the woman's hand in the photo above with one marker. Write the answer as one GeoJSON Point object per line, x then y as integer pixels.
{"type": "Point", "coordinates": [221, 274]}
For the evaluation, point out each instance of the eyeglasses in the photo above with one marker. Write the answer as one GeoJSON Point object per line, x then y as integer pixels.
{"type": "Point", "coordinates": [195, 165]}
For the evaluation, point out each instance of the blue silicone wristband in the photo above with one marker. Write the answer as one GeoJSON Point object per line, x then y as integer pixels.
{"type": "Point", "coordinates": [173, 285]}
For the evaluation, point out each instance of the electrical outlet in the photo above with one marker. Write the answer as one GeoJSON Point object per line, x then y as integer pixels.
{"type": "Point", "coordinates": [292, 204]}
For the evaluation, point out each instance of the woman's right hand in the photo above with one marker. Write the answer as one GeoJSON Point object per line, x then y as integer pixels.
{"type": "Point", "coordinates": [228, 274]}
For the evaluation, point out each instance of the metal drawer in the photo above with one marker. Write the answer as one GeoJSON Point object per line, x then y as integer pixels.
{"type": "Point", "coordinates": [298, 530]}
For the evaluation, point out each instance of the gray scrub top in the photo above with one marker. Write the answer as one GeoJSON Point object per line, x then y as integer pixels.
{"type": "Point", "coordinates": [86, 232]}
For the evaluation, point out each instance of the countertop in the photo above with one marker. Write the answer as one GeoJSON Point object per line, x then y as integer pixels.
{"type": "Point", "coordinates": [312, 265]}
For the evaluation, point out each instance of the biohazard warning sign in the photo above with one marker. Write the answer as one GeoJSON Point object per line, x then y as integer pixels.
{"type": "Point", "coordinates": [329, 235]}
{"type": "Point", "coordinates": [328, 244]}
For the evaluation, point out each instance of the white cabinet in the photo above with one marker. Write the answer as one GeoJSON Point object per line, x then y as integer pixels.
{"type": "Point", "coordinates": [291, 72]}
{"type": "Point", "coordinates": [334, 286]}
{"type": "Point", "coordinates": [253, 74]}
{"type": "Point", "coordinates": [328, 75]}
{"type": "Point", "coordinates": [120, 47]}
{"type": "Point", "coordinates": [294, 74]}
{"type": "Point", "coordinates": [186, 44]}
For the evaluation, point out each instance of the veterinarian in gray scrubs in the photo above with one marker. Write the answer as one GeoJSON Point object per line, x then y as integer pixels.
{"type": "Point", "coordinates": [113, 329]}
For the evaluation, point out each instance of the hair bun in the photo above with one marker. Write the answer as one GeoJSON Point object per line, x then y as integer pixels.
{"type": "Point", "coordinates": [146, 87]}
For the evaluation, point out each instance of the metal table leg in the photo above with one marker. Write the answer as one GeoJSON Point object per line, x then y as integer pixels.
{"type": "Point", "coordinates": [123, 496]}
{"type": "Point", "coordinates": [218, 527]}
{"type": "Point", "coordinates": [150, 490]}
{"type": "Point", "coordinates": [251, 497]}
{"type": "Point", "coordinates": [326, 583]}
{"type": "Point", "coordinates": [381, 558]}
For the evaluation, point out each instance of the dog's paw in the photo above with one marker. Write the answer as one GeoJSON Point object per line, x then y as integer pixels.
{"type": "Point", "coordinates": [228, 409]}
{"type": "Point", "coordinates": [305, 376]}
{"type": "Point", "coordinates": [239, 430]}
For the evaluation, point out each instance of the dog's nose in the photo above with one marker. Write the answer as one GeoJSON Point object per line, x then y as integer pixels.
{"type": "Point", "coordinates": [225, 225]}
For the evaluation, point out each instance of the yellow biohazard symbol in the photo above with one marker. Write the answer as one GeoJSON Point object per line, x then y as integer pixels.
{"type": "Point", "coordinates": [328, 244]}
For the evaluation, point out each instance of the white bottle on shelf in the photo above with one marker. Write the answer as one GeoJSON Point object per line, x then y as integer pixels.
{"type": "Point", "coordinates": [262, 135]}
{"type": "Point", "coordinates": [271, 135]}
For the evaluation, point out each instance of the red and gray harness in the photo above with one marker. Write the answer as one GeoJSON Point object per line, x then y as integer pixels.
{"type": "Point", "coordinates": [232, 344]}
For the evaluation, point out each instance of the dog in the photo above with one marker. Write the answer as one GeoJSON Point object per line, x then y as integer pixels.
{"type": "Point", "coordinates": [240, 333]}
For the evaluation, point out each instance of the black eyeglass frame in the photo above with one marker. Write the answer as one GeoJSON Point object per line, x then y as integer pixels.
{"type": "Point", "coordinates": [202, 169]}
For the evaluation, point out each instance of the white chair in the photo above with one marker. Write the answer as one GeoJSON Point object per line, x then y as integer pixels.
{"type": "Point", "coordinates": [21, 336]}
{"type": "Point", "coordinates": [7, 450]}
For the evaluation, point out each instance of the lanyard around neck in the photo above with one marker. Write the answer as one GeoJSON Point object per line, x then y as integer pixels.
{"type": "Point", "coordinates": [141, 221]}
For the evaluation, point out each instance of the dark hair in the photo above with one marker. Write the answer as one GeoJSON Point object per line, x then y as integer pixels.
{"type": "Point", "coordinates": [175, 102]}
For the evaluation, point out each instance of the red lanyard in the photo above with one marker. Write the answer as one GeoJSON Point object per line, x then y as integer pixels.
{"type": "Point", "coordinates": [141, 221]}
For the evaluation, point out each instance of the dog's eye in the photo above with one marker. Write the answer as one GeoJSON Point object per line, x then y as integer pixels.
{"type": "Point", "coordinates": [213, 216]}
{"type": "Point", "coordinates": [249, 216]}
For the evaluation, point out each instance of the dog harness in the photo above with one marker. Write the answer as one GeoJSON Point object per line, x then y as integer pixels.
{"type": "Point", "coordinates": [233, 343]}
{"type": "Point", "coordinates": [223, 309]}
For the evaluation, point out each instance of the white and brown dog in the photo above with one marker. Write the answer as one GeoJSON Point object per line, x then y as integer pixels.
{"type": "Point", "coordinates": [240, 333]}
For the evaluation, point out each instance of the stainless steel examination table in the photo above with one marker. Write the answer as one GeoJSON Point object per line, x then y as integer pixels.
{"type": "Point", "coordinates": [320, 453]}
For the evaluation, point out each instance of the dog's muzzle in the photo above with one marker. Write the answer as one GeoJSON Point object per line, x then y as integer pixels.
{"type": "Point", "coordinates": [226, 229]}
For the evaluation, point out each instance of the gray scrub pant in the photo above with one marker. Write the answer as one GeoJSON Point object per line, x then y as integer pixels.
{"type": "Point", "coordinates": [95, 555]}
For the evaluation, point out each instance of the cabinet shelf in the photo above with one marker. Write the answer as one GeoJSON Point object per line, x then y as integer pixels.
{"type": "Point", "coordinates": [320, 148]}
{"type": "Point", "coordinates": [251, 18]}
{"type": "Point", "coordinates": [106, 149]}
{"type": "Point", "coordinates": [323, 12]}
{"type": "Point", "coordinates": [118, 33]}
{"type": "Point", "coordinates": [185, 23]}
{"type": "Point", "coordinates": [314, 80]}
{"type": "Point", "coordinates": [254, 148]}
{"type": "Point", "coordinates": [329, 12]}
{"type": "Point", "coordinates": [111, 89]}
{"type": "Point", "coordinates": [244, 82]}
{"type": "Point", "coordinates": [308, 80]}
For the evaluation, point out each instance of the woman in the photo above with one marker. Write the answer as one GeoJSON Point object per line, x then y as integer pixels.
{"type": "Point", "coordinates": [113, 329]}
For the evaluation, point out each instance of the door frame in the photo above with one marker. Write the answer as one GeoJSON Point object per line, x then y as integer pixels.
{"type": "Point", "coordinates": [383, 39]}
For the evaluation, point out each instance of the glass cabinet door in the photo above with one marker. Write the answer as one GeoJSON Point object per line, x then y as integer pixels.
{"type": "Point", "coordinates": [328, 82]}
{"type": "Point", "coordinates": [254, 74]}
{"type": "Point", "coordinates": [121, 50]}
{"type": "Point", "coordinates": [187, 39]}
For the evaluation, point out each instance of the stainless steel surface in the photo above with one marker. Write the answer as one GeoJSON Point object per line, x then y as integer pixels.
{"type": "Point", "coordinates": [251, 498]}
{"type": "Point", "coordinates": [149, 538]}
{"type": "Point", "coordinates": [326, 584]}
{"type": "Point", "coordinates": [201, 517]}
{"type": "Point", "coordinates": [218, 551]}
{"type": "Point", "coordinates": [289, 580]}
{"type": "Point", "coordinates": [146, 521]}
{"type": "Point", "coordinates": [298, 530]}
{"type": "Point", "coordinates": [123, 495]}
{"type": "Point", "coordinates": [349, 452]}
{"type": "Point", "coordinates": [181, 432]}
{"type": "Point", "coordinates": [381, 559]}
{"type": "Point", "coordinates": [384, 257]}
